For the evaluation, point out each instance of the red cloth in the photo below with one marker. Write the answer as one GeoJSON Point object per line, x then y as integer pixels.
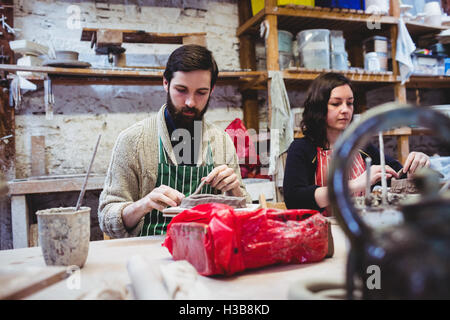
{"type": "Point", "coordinates": [227, 242]}
{"type": "Point", "coordinates": [245, 147]}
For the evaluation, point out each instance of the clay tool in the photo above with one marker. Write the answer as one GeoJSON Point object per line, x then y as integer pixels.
{"type": "Point", "coordinates": [383, 169]}
{"type": "Point", "coordinates": [200, 186]}
{"type": "Point", "coordinates": [83, 189]}
{"type": "Point", "coordinates": [368, 185]}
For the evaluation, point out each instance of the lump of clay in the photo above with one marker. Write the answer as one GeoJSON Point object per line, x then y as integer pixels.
{"type": "Point", "coordinates": [403, 186]}
{"type": "Point", "coordinates": [192, 201]}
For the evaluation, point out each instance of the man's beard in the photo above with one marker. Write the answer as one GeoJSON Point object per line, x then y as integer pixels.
{"type": "Point", "coordinates": [179, 119]}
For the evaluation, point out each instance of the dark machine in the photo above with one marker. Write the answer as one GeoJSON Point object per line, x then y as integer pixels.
{"type": "Point", "coordinates": [413, 258]}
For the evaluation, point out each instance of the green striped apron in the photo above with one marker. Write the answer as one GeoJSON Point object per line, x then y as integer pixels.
{"type": "Point", "coordinates": [183, 178]}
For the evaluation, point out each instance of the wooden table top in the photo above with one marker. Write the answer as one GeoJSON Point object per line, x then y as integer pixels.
{"type": "Point", "coordinates": [105, 273]}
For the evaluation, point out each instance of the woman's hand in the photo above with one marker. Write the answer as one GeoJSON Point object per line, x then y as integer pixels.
{"type": "Point", "coordinates": [224, 178]}
{"type": "Point", "coordinates": [415, 161]}
{"type": "Point", "coordinates": [359, 184]}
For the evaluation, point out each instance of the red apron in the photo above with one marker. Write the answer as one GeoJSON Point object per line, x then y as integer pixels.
{"type": "Point", "coordinates": [323, 160]}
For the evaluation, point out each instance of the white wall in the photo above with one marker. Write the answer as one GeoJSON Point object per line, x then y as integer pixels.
{"type": "Point", "coordinates": [82, 112]}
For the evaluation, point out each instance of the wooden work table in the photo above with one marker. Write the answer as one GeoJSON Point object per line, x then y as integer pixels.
{"type": "Point", "coordinates": [106, 269]}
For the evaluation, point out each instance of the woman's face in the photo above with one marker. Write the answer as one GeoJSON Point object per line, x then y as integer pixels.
{"type": "Point", "coordinates": [340, 108]}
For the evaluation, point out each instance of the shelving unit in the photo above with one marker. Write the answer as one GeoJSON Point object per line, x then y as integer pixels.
{"type": "Point", "coordinates": [356, 26]}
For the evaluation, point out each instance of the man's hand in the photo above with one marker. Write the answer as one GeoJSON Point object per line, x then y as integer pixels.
{"type": "Point", "coordinates": [415, 161]}
{"type": "Point", "coordinates": [161, 198]}
{"type": "Point", "coordinates": [224, 179]}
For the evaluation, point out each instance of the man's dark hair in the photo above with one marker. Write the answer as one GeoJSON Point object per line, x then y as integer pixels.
{"type": "Point", "coordinates": [314, 121]}
{"type": "Point", "coordinates": [191, 57]}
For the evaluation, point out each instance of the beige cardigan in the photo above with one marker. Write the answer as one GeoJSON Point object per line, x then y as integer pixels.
{"type": "Point", "coordinates": [134, 165]}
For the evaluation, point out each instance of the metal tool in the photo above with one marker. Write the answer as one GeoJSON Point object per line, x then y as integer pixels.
{"type": "Point", "coordinates": [368, 198]}
{"type": "Point", "coordinates": [383, 170]}
{"type": "Point", "coordinates": [83, 189]}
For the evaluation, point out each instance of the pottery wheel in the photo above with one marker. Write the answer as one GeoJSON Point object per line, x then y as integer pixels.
{"type": "Point", "coordinates": [192, 201]}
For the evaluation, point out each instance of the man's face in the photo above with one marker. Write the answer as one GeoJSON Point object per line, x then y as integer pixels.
{"type": "Point", "coordinates": [188, 96]}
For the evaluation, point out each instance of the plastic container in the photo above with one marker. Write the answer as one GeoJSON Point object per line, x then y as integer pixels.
{"type": "Point", "coordinates": [447, 66]}
{"type": "Point", "coordinates": [348, 4]}
{"type": "Point", "coordinates": [337, 41]}
{"type": "Point", "coordinates": [285, 60]}
{"type": "Point", "coordinates": [377, 6]}
{"type": "Point", "coordinates": [426, 64]}
{"type": "Point", "coordinates": [285, 41]}
{"type": "Point", "coordinates": [314, 48]}
{"type": "Point", "coordinates": [376, 44]}
{"type": "Point", "coordinates": [371, 62]}
{"type": "Point", "coordinates": [339, 60]}
{"type": "Point", "coordinates": [258, 5]}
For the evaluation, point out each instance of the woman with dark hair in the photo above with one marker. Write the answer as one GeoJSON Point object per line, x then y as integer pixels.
{"type": "Point", "coordinates": [328, 111]}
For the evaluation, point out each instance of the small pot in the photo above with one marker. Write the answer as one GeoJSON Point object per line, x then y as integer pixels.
{"type": "Point", "coordinates": [66, 55]}
{"type": "Point", "coordinates": [64, 235]}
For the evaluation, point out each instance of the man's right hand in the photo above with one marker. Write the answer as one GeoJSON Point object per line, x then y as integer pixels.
{"type": "Point", "coordinates": [159, 199]}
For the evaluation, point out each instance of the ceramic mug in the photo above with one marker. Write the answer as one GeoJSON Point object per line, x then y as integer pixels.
{"type": "Point", "coordinates": [64, 235]}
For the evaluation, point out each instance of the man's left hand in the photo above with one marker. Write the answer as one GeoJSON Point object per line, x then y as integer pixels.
{"type": "Point", "coordinates": [224, 179]}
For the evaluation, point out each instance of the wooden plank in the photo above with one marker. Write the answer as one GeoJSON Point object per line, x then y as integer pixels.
{"type": "Point", "coordinates": [38, 155]}
{"type": "Point", "coordinates": [253, 21]}
{"type": "Point", "coordinates": [335, 14]}
{"type": "Point", "coordinates": [402, 148]}
{"type": "Point", "coordinates": [55, 185]}
{"type": "Point", "coordinates": [195, 39]}
{"type": "Point", "coordinates": [366, 77]}
{"type": "Point", "coordinates": [19, 282]}
{"type": "Point", "coordinates": [247, 58]}
{"type": "Point", "coordinates": [398, 132]}
{"type": "Point", "coordinates": [139, 36]}
{"type": "Point", "coordinates": [19, 221]}
{"type": "Point", "coordinates": [34, 236]}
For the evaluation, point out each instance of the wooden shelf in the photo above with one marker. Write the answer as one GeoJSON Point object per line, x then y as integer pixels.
{"type": "Point", "coordinates": [419, 29]}
{"type": "Point", "coordinates": [297, 18]}
{"type": "Point", "coordinates": [54, 184]}
{"type": "Point", "coordinates": [122, 76]}
{"type": "Point", "coordinates": [302, 74]}
{"type": "Point", "coordinates": [431, 82]}
{"type": "Point", "coordinates": [135, 36]}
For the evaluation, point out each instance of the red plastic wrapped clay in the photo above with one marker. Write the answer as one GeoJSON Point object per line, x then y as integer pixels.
{"type": "Point", "coordinates": [217, 240]}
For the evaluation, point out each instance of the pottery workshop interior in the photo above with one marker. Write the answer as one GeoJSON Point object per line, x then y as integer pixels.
{"type": "Point", "coordinates": [252, 150]}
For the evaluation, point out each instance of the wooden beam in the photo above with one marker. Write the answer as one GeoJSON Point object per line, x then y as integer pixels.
{"type": "Point", "coordinates": [247, 58]}
{"type": "Point", "coordinates": [139, 36]}
{"type": "Point", "coordinates": [29, 186]}
{"type": "Point", "coordinates": [271, 56]}
{"type": "Point", "coordinates": [402, 148]}
{"type": "Point", "coordinates": [19, 221]}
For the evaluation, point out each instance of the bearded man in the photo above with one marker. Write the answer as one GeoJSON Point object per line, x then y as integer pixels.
{"type": "Point", "coordinates": [162, 159]}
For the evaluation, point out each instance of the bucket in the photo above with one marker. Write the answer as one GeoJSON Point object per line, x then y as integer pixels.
{"type": "Point", "coordinates": [285, 41]}
{"type": "Point", "coordinates": [314, 48]}
{"type": "Point", "coordinates": [64, 235]}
